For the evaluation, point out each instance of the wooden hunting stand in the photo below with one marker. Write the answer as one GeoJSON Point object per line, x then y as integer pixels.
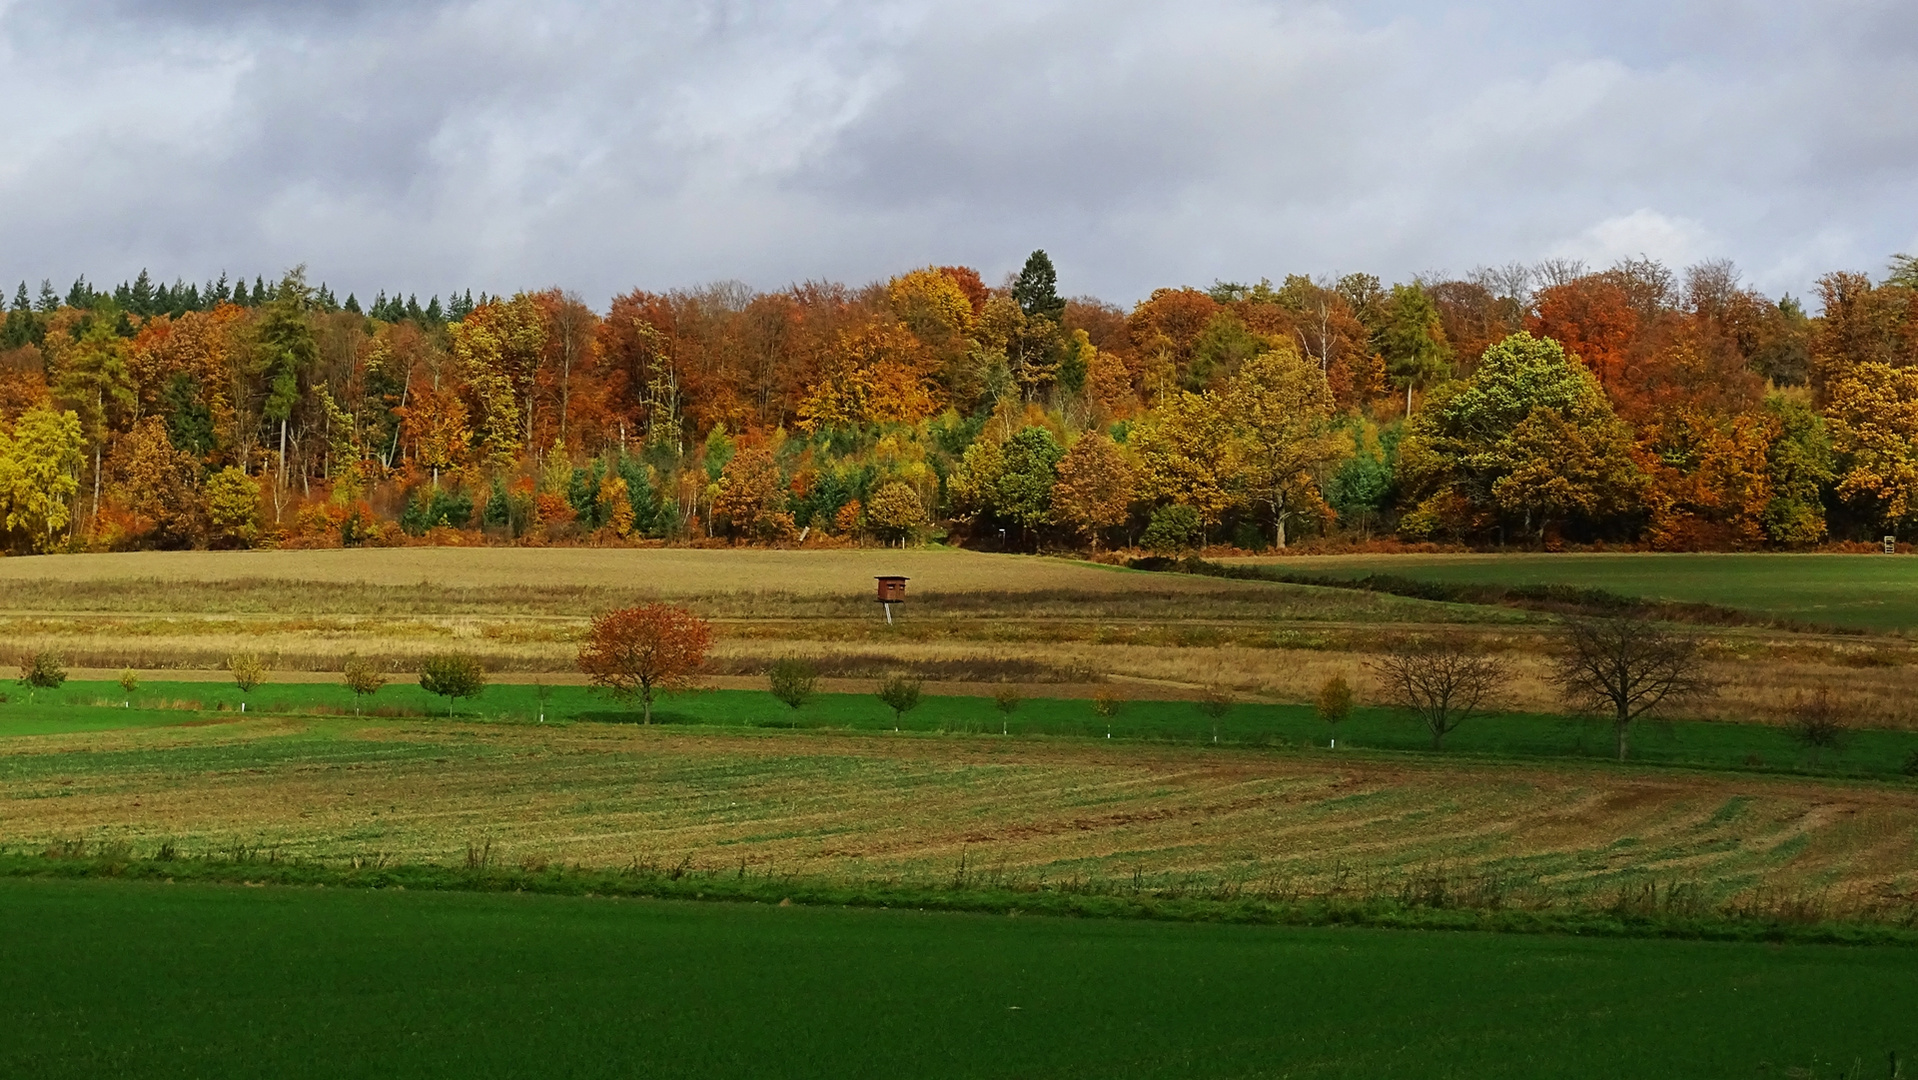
{"type": "Point", "coordinates": [892, 590]}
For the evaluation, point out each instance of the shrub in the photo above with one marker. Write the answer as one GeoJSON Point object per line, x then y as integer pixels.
{"type": "Point", "coordinates": [1172, 530]}
{"type": "Point", "coordinates": [1817, 722]}
{"type": "Point", "coordinates": [452, 676]}
{"type": "Point", "coordinates": [42, 671]}
{"type": "Point", "coordinates": [793, 680]}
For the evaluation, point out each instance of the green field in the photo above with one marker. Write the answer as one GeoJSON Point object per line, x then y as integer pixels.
{"type": "Point", "coordinates": [1875, 592]}
{"type": "Point", "coordinates": [137, 980]}
{"type": "Point", "coordinates": [84, 707]}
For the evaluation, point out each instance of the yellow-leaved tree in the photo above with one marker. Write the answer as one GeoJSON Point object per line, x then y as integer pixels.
{"type": "Point", "coordinates": [40, 463]}
{"type": "Point", "coordinates": [1874, 431]}
{"type": "Point", "coordinates": [1281, 411]}
{"type": "Point", "coordinates": [1188, 455]}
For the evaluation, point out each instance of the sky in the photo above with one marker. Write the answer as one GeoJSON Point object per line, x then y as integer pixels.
{"type": "Point", "coordinates": [429, 145]}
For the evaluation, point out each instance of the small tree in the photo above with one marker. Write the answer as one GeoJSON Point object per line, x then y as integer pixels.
{"type": "Point", "coordinates": [1006, 699]}
{"type": "Point", "coordinates": [901, 695]}
{"type": "Point", "coordinates": [452, 676]}
{"type": "Point", "coordinates": [1443, 680]}
{"type": "Point", "coordinates": [42, 671]}
{"type": "Point", "coordinates": [1215, 701]}
{"type": "Point", "coordinates": [542, 693]}
{"type": "Point", "coordinates": [249, 674]}
{"type": "Point", "coordinates": [793, 680]}
{"type": "Point", "coordinates": [637, 652]}
{"type": "Point", "coordinates": [130, 684]}
{"type": "Point", "coordinates": [1628, 667]}
{"type": "Point", "coordinates": [1817, 722]}
{"type": "Point", "coordinates": [1106, 703]}
{"type": "Point", "coordinates": [1334, 703]}
{"type": "Point", "coordinates": [363, 679]}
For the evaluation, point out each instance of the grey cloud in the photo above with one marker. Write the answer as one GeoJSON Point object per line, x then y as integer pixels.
{"type": "Point", "coordinates": [503, 143]}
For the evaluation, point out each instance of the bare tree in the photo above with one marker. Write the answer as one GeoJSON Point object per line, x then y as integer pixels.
{"type": "Point", "coordinates": [1444, 680]}
{"type": "Point", "coordinates": [1818, 722]}
{"type": "Point", "coordinates": [1629, 667]}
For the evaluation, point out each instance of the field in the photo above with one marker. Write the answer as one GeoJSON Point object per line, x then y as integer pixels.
{"type": "Point", "coordinates": [1721, 826]}
{"type": "Point", "coordinates": [1160, 808]}
{"type": "Point", "coordinates": [1875, 592]}
{"type": "Point", "coordinates": [140, 980]}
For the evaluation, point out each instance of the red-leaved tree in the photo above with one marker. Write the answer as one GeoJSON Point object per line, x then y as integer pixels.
{"type": "Point", "coordinates": [638, 651]}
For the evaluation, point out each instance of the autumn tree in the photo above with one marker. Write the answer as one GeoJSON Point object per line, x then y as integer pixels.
{"type": "Point", "coordinates": [637, 652]}
{"type": "Point", "coordinates": [233, 506]}
{"type": "Point", "coordinates": [752, 498]}
{"type": "Point", "coordinates": [1094, 489]}
{"type": "Point", "coordinates": [1530, 441]}
{"type": "Point", "coordinates": [896, 512]}
{"type": "Point", "coordinates": [1281, 410]}
{"type": "Point", "coordinates": [158, 485]}
{"type": "Point", "coordinates": [1188, 455]}
{"type": "Point", "coordinates": [39, 462]}
{"type": "Point", "coordinates": [94, 386]}
{"type": "Point", "coordinates": [1874, 432]}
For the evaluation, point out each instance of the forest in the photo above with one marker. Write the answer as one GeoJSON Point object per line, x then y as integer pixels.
{"type": "Point", "coordinates": [1541, 407]}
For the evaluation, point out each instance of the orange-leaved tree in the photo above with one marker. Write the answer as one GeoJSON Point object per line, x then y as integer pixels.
{"type": "Point", "coordinates": [638, 651]}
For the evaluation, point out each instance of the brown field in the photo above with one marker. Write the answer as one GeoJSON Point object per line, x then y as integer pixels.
{"type": "Point", "coordinates": [848, 806]}
{"type": "Point", "coordinates": [971, 617]}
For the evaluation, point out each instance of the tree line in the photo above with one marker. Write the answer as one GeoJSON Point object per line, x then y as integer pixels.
{"type": "Point", "coordinates": [1525, 406]}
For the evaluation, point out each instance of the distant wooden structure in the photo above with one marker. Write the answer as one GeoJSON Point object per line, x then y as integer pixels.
{"type": "Point", "coordinates": [892, 590]}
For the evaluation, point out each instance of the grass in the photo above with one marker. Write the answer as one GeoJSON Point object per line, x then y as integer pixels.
{"type": "Point", "coordinates": [1874, 592]}
{"type": "Point", "coordinates": [84, 706]}
{"type": "Point", "coordinates": [138, 980]}
{"type": "Point", "coordinates": [1163, 810]}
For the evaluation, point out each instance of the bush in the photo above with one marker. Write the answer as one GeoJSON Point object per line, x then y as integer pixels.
{"type": "Point", "coordinates": [435, 509]}
{"type": "Point", "coordinates": [1817, 722]}
{"type": "Point", "coordinates": [452, 676]}
{"type": "Point", "coordinates": [42, 671]}
{"type": "Point", "coordinates": [1173, 529]}
{"type": "Point", "coordinates": [793, 680]}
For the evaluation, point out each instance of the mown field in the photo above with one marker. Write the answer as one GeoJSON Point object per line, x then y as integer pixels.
{"type": "Point", "coordinates": [145, 980]}
{"type": "Point", "coordinates": [1161, 808]}
{"type": "Point", "coordinates": [1875, 592]}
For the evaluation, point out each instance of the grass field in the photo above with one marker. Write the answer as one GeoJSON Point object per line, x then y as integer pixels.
{"type": "Point", "coordinates": [853, 801]}
{"type": "Point", "coordinates": [141, 980]}
{"type": "Point", "coordinates": [1875, 592]}
{"type": "Point", "coordinates": [95, 706]}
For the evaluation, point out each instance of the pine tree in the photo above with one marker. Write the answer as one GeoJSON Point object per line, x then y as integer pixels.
{"type": "Point", "coordinates": [140, 298]}
{"type": "Point", "coordinates": [20, 301]}
{"type": "Point", "coordinates": [352, 304]}
{"type": "Point", "coordinates": [49, 300]}
{"type": "Point", "coordinates": [219, 292]}
{"type": "Point", "coordinates": [1037, 288]}
{"type": "Point", "coordinates": [81, 295]}
{"type": "Point", "coordinates": [432, 312]}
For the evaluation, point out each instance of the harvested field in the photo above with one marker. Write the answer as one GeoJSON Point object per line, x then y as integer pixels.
{"type": "Point", "coordinates": [851, 806]}
{"type": "Point", "coordinates": [971, 617]}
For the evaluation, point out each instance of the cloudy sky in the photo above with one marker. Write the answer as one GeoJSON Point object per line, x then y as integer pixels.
{"type": "Point", "coordinates": [500, 144]}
